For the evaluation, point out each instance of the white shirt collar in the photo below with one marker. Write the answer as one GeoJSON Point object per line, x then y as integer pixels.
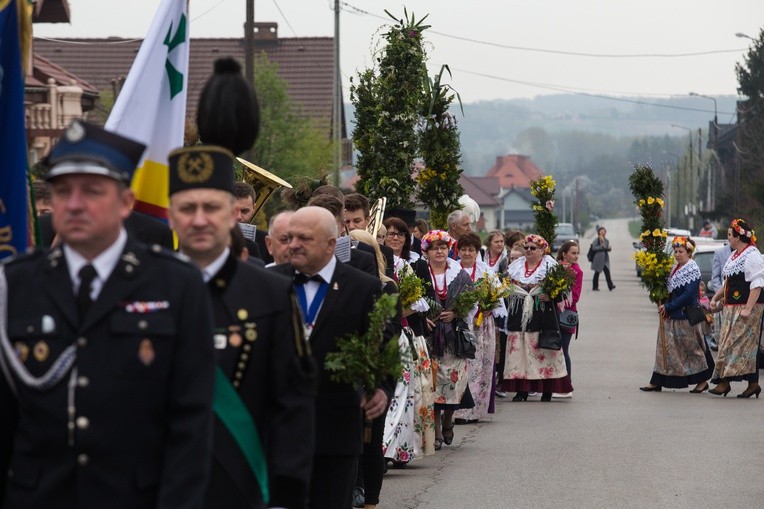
{"type": "Point", "coordinates": [104, 263]}
{"type": "Point", "coordinates": [213, 268]}
{"type": "Point", "coordinates": [328, 271]}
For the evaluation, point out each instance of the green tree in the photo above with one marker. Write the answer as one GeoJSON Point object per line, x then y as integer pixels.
{"type": "Point", "coordinates": [438, 182]}
{"type": "Point", "coordinates": [387, 102]}
{"type": "Point", "coordinates": [290, 143]}
{"type": "Point", "coordinates": [750, 75]}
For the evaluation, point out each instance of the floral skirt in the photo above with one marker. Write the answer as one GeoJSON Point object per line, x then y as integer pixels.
{"type": "Point", "coordinates": [451, 380]}
{"type": "Point", "coordinates": [738, 345]}
{"type": "Point", "coordinates": [410, 422]}
{"type": "Point", "coordinates": [681, 355]}
{"type": "Point", "coordinates": [529, 368]}
{"type": "Point", "coordinates": [481, 371]}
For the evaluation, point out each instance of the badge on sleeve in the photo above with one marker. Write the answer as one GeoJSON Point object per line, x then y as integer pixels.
{"type": "Point", "coordinates": [41, 351]}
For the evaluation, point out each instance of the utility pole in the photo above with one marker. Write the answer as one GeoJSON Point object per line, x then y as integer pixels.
{"type": "Point", "coordinates": [337, 110]}
{"type": "Point", "coordinates": [249, 53]}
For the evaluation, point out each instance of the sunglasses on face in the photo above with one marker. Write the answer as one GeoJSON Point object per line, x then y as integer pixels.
{"type": "Point", "coordinates": [530, 248]}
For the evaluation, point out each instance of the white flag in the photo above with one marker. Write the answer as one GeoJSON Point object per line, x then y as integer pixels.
{"type": "Point", "coordinates": [151, 108]}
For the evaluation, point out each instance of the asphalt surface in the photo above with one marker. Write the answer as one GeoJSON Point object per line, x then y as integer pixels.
{"type": "Point", "coordinates": [609, 446]}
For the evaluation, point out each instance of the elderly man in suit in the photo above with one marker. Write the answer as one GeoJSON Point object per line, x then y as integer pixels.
{"type": "Point", "coordinates": [108, 358]}
{"type": "Point", "coordinates": [336, 300]}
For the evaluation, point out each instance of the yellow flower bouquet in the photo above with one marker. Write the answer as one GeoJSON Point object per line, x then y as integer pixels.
{"type": "Point", "coordinates": [558, 281]}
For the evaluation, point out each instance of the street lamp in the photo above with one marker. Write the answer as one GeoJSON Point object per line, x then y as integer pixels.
{"type": "Point", "coordinates": [744, 36]}
{"type": "Point", "coordinates": [695, 94]}
{"type": "Point", "coordinates": [691, 188]}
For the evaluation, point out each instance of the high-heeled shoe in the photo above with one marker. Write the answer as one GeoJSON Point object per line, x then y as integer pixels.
{"type": "Point", "coordinates": [651, 388]}
{"type": "Point", "coordinates": [720, 389]}
{"type": "Point", "coordinates": [698, 389]}
{"type": "Point", "coordinates": [448, 435]}
{"type": "Point", "coordinates": [546, 396]}
{"type": "Point", "coordinates": [750, 391]}
{"type": "Point", "coordinates": [521, 396]}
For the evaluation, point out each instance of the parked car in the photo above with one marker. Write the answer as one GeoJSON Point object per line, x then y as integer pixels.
{"type": "Point", "coordinates": [563, 232]}
{"type": "Point", "coordinates": [704, 257]}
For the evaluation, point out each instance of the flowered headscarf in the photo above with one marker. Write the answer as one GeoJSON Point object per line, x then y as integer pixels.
{"type": "Point", "coordinates": [539, 241]}
{"type": "Point", "coordinates": [742, 229]}
{"type": "Point", "coordinates": [435, 236]}
{"type": "Point", "coordinates": [683, 242]}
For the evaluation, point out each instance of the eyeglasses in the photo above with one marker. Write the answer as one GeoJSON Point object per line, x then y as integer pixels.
{"type": "Point", "coordinates": [530, 248]}
{"type": "Point", "coordinates": [392, 235]}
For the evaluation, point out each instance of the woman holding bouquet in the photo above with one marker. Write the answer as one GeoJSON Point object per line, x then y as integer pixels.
{"type": "Point", "coordinates": [447, 280]}
{"type": "Point", "coordinates": [527, 367]}
{"type": "Point", "coordinates": [410, 425]}
{"type": "Point", "coordinates": [681, 355]}
{"type": "Point", "coordinates": [481, 322]}
{"type": "Point", "coordinates": [742, 304]}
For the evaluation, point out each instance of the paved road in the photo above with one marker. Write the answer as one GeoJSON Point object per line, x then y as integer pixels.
{"type": "Point", "coordinates": [611, 445]}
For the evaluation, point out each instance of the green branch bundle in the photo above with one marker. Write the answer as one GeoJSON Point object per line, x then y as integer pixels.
{"type": "Point", "coordinates": [365, 359]}
{"type": "Point", "coordinates": [654, 263]}
{"type": "Point", "coordinates": [542, 190]}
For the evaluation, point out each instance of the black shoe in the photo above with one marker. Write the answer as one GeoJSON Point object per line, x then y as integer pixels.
{"type": "Point", "coordinates": [359, 499]}
{"type": "Point", "coordinates": [521, 396]}
{"type": "Point", "coordinates": [595, 289]}
{"type": "Point", "coordinates": [612, 288]}
{"type": "Point", "coordinates": [647, 388]}
{"type": "Point", "coordinates": [546, 396]}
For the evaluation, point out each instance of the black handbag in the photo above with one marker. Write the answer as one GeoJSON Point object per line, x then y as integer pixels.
{"type": "Point", "coordinates": [695, 314]}
{"type": "Point", "coordinates": [465, 342]}
{"type": "Point", "coordinates": [590, 254]}
{"type": "Point", "coordinates": [549, 335]}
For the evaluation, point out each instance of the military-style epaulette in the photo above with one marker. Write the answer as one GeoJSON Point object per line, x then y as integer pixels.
{"type": "Point", "coordinates": [166, 253]}
{"type": "Point", "coordinates": [31, 254]}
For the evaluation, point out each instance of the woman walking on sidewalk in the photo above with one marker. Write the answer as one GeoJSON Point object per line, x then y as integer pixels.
{"type": "Point", "coordinates": [743, 304]}
{"type": "Point", "coordinates": [681, 355]}
{"type": "Point", "coordinates": [600, 250]}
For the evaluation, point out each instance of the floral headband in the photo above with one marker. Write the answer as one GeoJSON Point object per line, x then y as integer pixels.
{"type": "Point", "coordinates": [435, 236]}
{"type": "Point", "coordinates": [683, 242]}
{"type": "Point", "coordinates": [538, 240]}
{"type": "Point", "coordinates": [738, 227]}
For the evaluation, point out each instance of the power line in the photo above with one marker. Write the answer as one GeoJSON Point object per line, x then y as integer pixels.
{"type": "Point", "coordinates": [100, 42]}
{"type": "Point", "coordinates": [208, 10]}
{"type": "Point", "coordinates": [554, 51]}
{"type": "Point", "coordinates": [560, 88]}
{"type": "Point", "coordinates": [285, 18]}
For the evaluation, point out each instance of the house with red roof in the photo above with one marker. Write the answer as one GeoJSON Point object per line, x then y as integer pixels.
{"type": "Point", "coordinates": [514, 173]}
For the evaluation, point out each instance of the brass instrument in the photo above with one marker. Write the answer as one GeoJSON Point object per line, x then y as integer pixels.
{"type": "Point", "coordinates": [264, 182]}
{"type": "Point", "coordinates": [376, 215]}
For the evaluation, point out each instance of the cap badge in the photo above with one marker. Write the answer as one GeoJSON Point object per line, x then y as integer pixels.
{"type": "Point", "coordinates": [195, 168]}
{"type": "Point", "coordinates": [75, 132]}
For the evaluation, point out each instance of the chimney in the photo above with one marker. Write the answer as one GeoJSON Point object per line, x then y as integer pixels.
{"type": "Point", "coordinates": [266, 31]}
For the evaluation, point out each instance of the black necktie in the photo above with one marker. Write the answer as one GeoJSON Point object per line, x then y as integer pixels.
{"type": "Point", "coordinates": [301, 279]}
{"type": "Point", "coordinates": [87, 275]}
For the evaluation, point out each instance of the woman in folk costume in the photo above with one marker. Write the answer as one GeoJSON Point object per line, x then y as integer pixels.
{"type": "Point", "coordinates": [410, 422]}
{"type": "Point", "coordinates": [481, 322]}
{"type": "Point", "coordinates": [743, 305]}
{"type": "Point", "coordinates": [527, 367]}
{"type": "Point", "coordinates": [681, 355]}
{"type": "Point", "coordinates": [445, 279]}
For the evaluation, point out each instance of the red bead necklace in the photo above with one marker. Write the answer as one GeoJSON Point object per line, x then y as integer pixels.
{"type": "Point", "coordinates": [736, 253]}
{"type": "Point", "coordinates": [441, 293]}
{"type": "Point", "coordinates": [491, 263]}
{"type": "Point", "coordinates": [529, 272]}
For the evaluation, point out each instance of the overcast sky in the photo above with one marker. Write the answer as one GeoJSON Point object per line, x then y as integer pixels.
{"type": "Point", "coordinates": [484, 69]}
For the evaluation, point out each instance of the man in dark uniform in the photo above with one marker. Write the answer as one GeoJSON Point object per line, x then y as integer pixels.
{"type": "Point", "coordinates": [259, 340]}
{"type": "Point", "coordinates": [108, 360]}
{"type": "Point", "coordinates": [336, 300]}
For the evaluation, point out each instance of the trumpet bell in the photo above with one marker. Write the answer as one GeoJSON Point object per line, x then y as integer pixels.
{"type": "Point", "coordinates": [264, 182]}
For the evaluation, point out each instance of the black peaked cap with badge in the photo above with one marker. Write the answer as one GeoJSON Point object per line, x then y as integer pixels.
{"type": "Point", "coordinates": [89, 149]}
{"type": "Point", "coordinates": [201, 167]}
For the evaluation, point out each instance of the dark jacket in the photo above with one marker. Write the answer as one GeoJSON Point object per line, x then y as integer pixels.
{"type": "Point", "coordinates": [279, 400]}
{"type": "Point", "coordinates": [345, 310]}
{"type": "Point", "coordinates": [680, 298]}
{"type": "Point", "coordinates": [143, 386]}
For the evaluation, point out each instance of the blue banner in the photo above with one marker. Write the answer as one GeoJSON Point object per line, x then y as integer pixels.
{"type": "Point", "coordinates": [14, 198]}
